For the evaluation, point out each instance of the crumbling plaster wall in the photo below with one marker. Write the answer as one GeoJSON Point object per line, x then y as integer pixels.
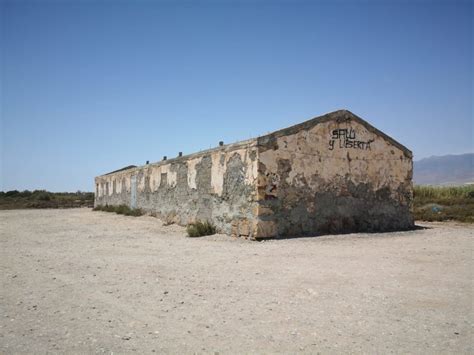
{"type": "Point", "coordinates": [336, 176]}
{"type": "Point", "coordinates": [217, 185]}
{"type": "Point", "coordinates": [335, 173]}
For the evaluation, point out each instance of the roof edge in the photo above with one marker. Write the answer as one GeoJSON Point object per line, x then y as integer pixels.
{"type": "Point", "coordinates": [226, 147]}
{"type": "Point", "coordinates": [339, 115]}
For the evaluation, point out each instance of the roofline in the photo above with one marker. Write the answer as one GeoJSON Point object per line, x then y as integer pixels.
{"type": "Point", "coordinates": [225, 147]}
{"type": "Point", "coordinates": [340, 116]}
{"type": "Point", "coordinates": [122, 169]}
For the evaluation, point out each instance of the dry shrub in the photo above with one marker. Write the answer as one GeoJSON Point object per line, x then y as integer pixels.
{"type": "Point", "coordinates": [199, 229]}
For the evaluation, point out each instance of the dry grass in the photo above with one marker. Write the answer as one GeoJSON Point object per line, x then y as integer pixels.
{"type": "Point", "coordinates": [433, 203]}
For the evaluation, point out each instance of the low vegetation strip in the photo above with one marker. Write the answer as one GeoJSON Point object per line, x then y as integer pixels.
{"type": "Point", "coordinates": [433, 203]}
{"type": "Point", "coordinates": [121, 209]}
{"type": "Point", "coordinates": [15, 199]}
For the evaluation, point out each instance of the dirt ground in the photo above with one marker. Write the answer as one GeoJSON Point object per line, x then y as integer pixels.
{"type": "Point", "coordinates": [77, 281]}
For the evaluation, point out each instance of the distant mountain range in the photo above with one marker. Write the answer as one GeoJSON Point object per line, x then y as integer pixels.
{"type": "Point", "coordinates": [444, 170]}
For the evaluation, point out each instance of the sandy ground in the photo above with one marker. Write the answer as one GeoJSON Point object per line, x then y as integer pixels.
{"type": "Point", "coordinates": [77, 281]}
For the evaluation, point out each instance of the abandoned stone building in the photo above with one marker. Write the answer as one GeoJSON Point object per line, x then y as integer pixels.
{"type": "Point", "coordinates": [334, 173]}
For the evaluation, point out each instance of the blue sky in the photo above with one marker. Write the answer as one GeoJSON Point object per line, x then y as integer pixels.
{"type": "Point", "coordinates": [91, 86]}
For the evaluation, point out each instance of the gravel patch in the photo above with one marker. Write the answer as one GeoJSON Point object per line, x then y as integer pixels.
{"type": "Point", "coordinates": [94, 282]}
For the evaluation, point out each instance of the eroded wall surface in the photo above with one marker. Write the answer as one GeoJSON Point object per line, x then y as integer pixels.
{"type": "Point", "coordinates": [332, 174]}
{"type": "Point", "coordinates": [337, 176]}
{"type": "Point", "coordinates": [218, 185]}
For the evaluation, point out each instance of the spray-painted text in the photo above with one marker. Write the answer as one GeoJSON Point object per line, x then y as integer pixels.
{"type": "Point", "coordinates": [346, 138]}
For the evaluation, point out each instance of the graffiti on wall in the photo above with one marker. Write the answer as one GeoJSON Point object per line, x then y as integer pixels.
{"type": "Point", "coordinates": [346, 138]}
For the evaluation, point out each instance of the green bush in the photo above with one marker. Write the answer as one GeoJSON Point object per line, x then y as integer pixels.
{"type": "Point", "coordinates": [135, 212]}
{"type": "Point", "coordinates": [127, 211]}
{"type": "Point", "coordinates": [122, 209]}
{"type": "Point", "coordinates": [108, 208]}
{"type": "Point", "coordinates": [199, 229]}
{"type": "Point", "coordinates": [43, 196]}
{"type": "Point", "coordinates": [12, 193]}
{"type": "Point", "coordinates": [25, 193]}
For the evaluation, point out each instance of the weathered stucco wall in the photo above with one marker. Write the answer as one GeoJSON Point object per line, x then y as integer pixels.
{"type": "Point", "coordinates": [217, 185]}
{"type": "Point", "coordinates": [335, 173]}
{"type": "Point", "coordinates": [337, 176]}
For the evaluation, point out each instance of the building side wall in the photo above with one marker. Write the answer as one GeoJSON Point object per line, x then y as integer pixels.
{"type": "Point", "coordinates": [219, 186]}
{"type": "Point", "coordinates": [338, 176]}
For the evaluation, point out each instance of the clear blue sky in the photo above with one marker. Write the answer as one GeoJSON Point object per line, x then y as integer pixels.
{"type": "Point", "coordinates": [91, 86]}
